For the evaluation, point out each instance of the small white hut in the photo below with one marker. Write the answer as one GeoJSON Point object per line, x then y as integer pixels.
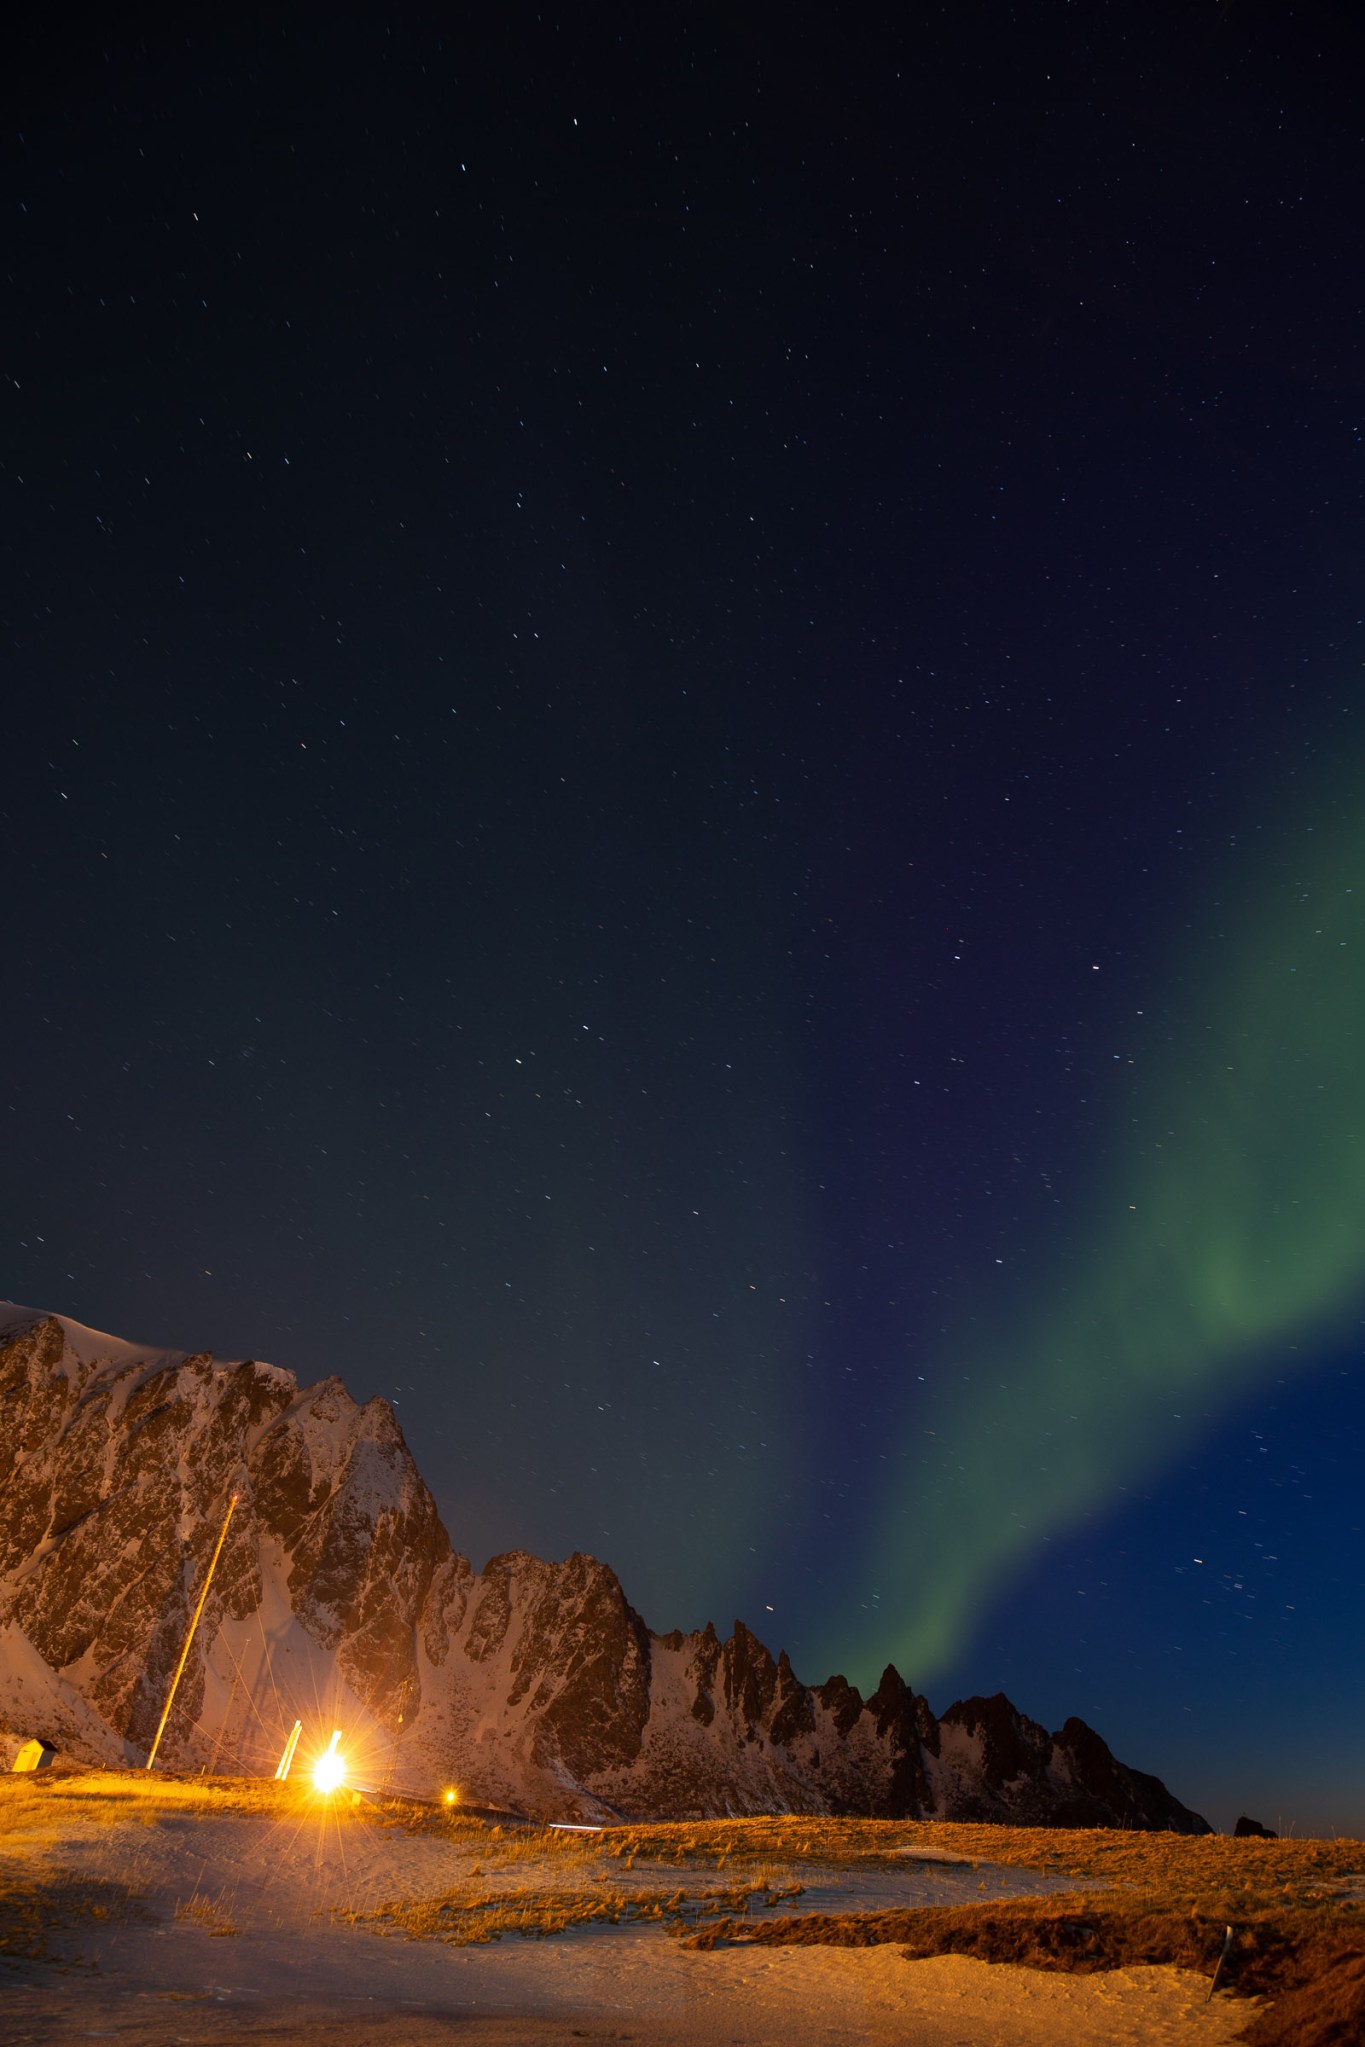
{"type": "Point", "coordinates": [34, 1755]}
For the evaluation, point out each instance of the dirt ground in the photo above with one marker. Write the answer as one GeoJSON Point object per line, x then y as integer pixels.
{"type": "Point", "coordinates": [228, 1930]}
{"type": "Point", "coordinates": [342, 1987]}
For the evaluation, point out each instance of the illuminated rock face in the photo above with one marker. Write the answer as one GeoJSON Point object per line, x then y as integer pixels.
{"type": "Point", "coordinates": [339, 1600]}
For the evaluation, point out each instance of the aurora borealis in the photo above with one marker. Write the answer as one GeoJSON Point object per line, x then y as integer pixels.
{"type": "Point", "coordinates": [681, 787]}
{"type": "Point", "coordinates": [1220, 1244]}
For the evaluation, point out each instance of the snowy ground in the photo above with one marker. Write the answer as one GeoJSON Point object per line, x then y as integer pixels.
{"type": "Point", "coordinates": [240, 1942]}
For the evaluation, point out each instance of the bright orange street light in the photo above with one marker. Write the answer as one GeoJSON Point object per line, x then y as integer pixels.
{"type": "Point", "coordinates": [329, 1771]}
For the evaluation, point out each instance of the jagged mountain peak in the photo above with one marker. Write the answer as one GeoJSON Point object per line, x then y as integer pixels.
{"type": "Point", "coordinates": [340, 1600]}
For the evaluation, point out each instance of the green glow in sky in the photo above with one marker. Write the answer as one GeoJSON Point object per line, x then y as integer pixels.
{"type": "Point", "coordinates": [1223, 1224]}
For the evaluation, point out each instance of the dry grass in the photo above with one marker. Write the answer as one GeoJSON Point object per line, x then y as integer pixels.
{"type": "Point", "coordinates": [42, 1801]}
{"type": "Point", "coordinates": [465, 1918]}
{"type": "Point", "coordinates": [1297, 1909]}
{"type": "Point", "coordinates": [1210, 1872]}
{"type": "Point", "coordinates": [1298, 1906]}
{"type": "Point", "coordinates": [209, 1913]}
{"type": "Point", "coordinates": [35, 1802]}
{"type": "Point", "coordinates": [537, 1881]}
{"type": "Point", "coordinates": [1311, 1964]}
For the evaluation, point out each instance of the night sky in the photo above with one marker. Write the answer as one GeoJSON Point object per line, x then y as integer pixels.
{"type": "Point", "coordinates": [683, 782]}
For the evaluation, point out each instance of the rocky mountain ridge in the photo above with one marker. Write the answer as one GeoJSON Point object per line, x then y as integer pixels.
{"type": "Point", "coordinates": [339, 1600]}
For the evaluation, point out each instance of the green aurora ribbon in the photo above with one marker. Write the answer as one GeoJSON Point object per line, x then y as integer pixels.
{"type": "Point", "coordinates": [1231, 1225]}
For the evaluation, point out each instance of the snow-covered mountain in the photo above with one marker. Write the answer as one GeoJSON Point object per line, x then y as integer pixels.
{"type": "Point", "coordinates": [339, 1600]}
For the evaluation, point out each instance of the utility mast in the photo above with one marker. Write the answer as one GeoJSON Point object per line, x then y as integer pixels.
{"type": "Point", "coordinates": [184, 1653]}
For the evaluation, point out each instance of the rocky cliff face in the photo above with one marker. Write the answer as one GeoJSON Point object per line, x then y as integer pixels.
{"type": "Point", "coordinates": [338, 1600]}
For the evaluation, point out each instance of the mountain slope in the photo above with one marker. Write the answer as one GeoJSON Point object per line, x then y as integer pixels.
{"type": "Point", "coordinates": [339, 1600]}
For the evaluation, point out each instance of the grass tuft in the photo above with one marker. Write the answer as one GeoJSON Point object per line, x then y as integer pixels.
{"type": "Point", "coordinates": [208, 1913]}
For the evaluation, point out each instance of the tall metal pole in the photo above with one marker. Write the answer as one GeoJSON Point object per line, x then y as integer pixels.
{"type": "Point", "coordinates": [184, 1654]}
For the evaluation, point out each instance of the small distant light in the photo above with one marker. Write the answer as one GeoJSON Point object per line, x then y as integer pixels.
{"type": "Point", "coordinates": [452, 1797]}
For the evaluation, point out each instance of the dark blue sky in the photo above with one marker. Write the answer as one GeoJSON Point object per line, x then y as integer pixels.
{"type": "Point", "coordinates": [630, 652]}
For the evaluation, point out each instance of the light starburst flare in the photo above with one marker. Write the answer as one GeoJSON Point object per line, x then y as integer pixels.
{"type": "Point", "coordinates": [329, 1771]}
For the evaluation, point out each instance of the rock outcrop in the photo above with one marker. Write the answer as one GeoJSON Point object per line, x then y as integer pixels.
{"type": "Point", "coordinates": [339, 1600]}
